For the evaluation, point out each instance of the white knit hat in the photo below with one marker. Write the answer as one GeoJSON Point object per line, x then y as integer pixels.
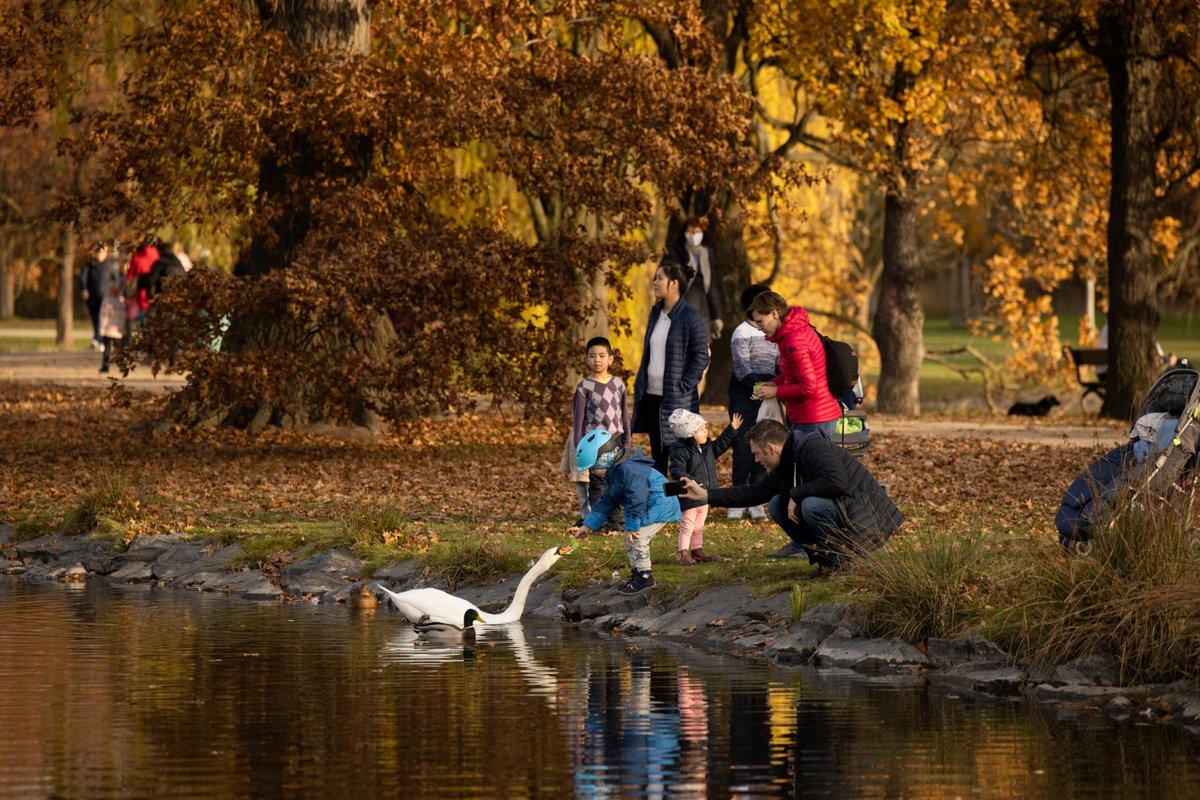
{"type": "Point", "coordinates": [685, 423]}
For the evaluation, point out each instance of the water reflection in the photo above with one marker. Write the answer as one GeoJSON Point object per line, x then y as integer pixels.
{"type": "Point", "coordinates": [141, 693]}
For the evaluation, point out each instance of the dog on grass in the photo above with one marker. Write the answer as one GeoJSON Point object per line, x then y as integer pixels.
{"type": "Point", "coordinates": [1039, 409]}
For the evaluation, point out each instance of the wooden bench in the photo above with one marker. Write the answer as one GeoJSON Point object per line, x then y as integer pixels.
{"type": "Point", "coordinates": [1088, 358]}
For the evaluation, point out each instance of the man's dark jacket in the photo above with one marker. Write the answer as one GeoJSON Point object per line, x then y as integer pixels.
{"type": "Point", "coordinates": [813, 466]}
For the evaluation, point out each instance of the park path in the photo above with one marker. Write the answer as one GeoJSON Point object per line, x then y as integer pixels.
{"type": "Point", "coordinates": [1067, 429]}
{"type": "Point", "coordinates": [70, 368]}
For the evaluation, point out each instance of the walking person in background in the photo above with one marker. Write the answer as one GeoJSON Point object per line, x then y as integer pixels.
{"type": "Point", "coordinates": [136, 289]}
{"type": "Point", "coordinates": [755, 360]}
{"type": "Point", "coordinates": [674, 357]}
{"type": "Point", "coordinates": [89, 284]}
{"type": "Point", "coordinates": [694, 456]}
{"type": "Point", "coordinates": [701, 291]}
{"type": "Point", "coordinates": [112, 324]}
{"type": "Point", "coordinates": [801, 383]}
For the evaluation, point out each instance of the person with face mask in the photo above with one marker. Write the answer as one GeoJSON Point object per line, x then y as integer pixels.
{"type": "Point", "coordinates": [701, 293]}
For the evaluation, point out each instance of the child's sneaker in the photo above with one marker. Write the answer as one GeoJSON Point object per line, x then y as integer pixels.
{"type": "Point", "coordinates": [638, 582]}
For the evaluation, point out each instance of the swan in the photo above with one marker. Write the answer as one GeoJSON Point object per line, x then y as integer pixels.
{"type": "Point", "coordinates": [450, 632]}
{"type": "Point", "coordinates": [443, 607]}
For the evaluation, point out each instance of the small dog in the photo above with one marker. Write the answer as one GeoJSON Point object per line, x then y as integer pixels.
{"type": "Point", "coordinates": [1039, 409]}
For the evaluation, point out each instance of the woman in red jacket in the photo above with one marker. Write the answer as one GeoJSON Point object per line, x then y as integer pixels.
{"type": "Point", "coordinates": [801, 383]}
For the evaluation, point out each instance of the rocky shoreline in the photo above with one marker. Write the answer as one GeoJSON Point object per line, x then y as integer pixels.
{"type": "Point", "coordinates": [725, 619]}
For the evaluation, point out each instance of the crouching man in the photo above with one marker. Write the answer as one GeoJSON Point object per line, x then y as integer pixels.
{"type": "Point", "coordinates": [827, 503]}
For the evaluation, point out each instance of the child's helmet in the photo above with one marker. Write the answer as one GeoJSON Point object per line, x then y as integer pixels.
{"type": "Point", "coordinates": [597, 449]}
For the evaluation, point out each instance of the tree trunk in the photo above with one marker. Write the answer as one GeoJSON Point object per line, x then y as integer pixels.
{"type": "Point", "coordinates": [899, 317]}
{"type": "Point", "coordinates": [731, 273]}
{"type": "Point", "coordinates": [8, 298]}
{"type": "Point", "coordinates": [311, 25]}
{"type": "Point", "coordinates": [1129, 38]}
{"type": "Point", "coordinates": [65, 329]}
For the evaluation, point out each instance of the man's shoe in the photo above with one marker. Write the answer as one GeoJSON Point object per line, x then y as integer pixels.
{"type": "Point", "coordinates": [640, 582]}
{"type": "Point", "coordinates": [736, 513]}
{"type": "Point", "coordinates": [789, 550]}
{"type": "Point", "coordinates": [757, 512]}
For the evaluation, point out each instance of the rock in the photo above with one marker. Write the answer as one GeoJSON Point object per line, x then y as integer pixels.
{"type": "Point", "coordinates": [335, 562]}
{"type": "Point", "coordinates": [52, 547]}
{"type": "Point", "coordinates": [77, 573]}
{"type": "Point", "coordinates": [133, 572]}
{"type": "Point", "coordinates": [798, 644]}
{"type": "Point", "coordinates": [842, 617]}
{"type": "Point", "coordinates": [606, 602]}
{"type": "Point", "coordinates": [177, 558]}
{"type": "Point", "coordinates": [252, 585]}
{"type": "Point", "coordinates": [1047, 693]}
{"type": "Point", "coordinates": [399, 576]}
{"type": "Point", "coordinates": [868, 655]}
{"type": "Point", "coordinates": [951, 652]}
{"type": "Point", "coordinates": [719, 605]}
{"type": "Point", "coordinates": [6, 532]}
{"type": "Point", "coordinates": [316, 584]}
{"type": "Point", "coordinates": [148, 547]}
{"type": "Point", "coordinates": [1096, 670]}
{"type": "Point", "coordinates": [202, 570]}
{"type": "Point", "coordinates": [996, 679]}
{"type": "Point", "coordinates": [12, 567]}
{"type": "Point", "coordinates": [99, 557]}
{"type": "Point", "coordinates": [1120, 707]}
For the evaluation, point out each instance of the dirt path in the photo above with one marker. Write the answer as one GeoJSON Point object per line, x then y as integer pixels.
{"type": "Point", "coordinates": [1066, 430]}
{"type": "Point", "coordinates": [76, 369]}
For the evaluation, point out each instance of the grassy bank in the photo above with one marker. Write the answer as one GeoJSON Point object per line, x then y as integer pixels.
{"type": "Point", "coordinates": [478, 497]}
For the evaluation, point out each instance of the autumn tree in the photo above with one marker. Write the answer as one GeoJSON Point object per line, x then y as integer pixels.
{"type": "Point", "coordinates": [349, 148]}
{"type": "Point", "coordinates": [1149, 55]}
{"type": "Point", "coordinates": [900, 88]}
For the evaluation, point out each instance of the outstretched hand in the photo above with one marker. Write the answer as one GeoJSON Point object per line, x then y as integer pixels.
{"type": "Point", "coordinates": [580, 531]}
{"type": "Point", "coordinates": [736, 421]}
{"type": "Point", "coordinates": [694, 491]}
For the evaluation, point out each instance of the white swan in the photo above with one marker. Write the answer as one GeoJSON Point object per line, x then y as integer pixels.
{"type": "Point", "coordinates": [443, 607]}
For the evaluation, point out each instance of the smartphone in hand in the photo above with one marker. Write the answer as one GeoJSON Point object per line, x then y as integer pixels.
{"type": "Point", "coordinates": [674, 488]}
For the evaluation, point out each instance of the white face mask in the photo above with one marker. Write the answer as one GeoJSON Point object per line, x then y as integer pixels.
{"type": "Point", "coordinates": [694, 239]}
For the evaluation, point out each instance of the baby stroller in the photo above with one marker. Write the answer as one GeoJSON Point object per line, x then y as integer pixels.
{"type": "Point", "coordinates": [853, 433]}
{"type": "Point", "coordinates": [1161, 451]}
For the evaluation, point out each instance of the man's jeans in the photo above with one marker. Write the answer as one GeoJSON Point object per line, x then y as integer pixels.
{"type": "Point", "coordinates": [818, 531]}
{"type": "Point", "coordinates": [826, 429]}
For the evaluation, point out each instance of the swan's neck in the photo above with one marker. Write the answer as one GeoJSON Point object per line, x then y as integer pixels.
{"type": "Point", "coordinates": [517, 607]}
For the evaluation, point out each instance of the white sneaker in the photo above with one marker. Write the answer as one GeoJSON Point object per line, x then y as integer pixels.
{"type": "Point", "coordinates": [97, 344]}
{"type": "Point", "coordinates": [757, 512]}
{"type": "Point", "coordinates": [736, 513]}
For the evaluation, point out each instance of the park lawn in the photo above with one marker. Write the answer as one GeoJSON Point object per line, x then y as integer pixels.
{"type": "Point", "coordinates": [945, 390]}
{"type": "Point", "coordinates": [14, 342]}
{"type": "Point", "coordinates": [440, 489]}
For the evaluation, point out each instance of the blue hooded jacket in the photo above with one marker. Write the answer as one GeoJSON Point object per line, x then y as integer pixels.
{"type": "Point", "coordinates": [637, 487]}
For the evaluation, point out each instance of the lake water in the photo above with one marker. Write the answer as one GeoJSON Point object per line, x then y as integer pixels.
{"type": "Point", "coordinates": [132, 693]}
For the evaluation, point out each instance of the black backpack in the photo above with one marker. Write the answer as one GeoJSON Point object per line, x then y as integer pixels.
{"type": "Point", "coordinates": [841, 365]}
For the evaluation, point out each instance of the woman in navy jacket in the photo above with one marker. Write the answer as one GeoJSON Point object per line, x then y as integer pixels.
{"type": "Point", "coordinates": [674, 357]}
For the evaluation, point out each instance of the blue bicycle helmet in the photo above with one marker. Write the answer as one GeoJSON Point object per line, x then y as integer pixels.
{"type": "Point", "coordinates": [597, 449]}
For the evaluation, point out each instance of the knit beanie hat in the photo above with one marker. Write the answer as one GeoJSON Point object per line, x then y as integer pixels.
{"type": "Point", "coordinates": [685, 423]}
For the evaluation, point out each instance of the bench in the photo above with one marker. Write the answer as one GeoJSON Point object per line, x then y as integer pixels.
{"type": "Point", "coordinates": [1088, 358]}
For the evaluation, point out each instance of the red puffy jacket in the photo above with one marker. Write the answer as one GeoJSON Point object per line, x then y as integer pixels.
{"type": "Point", "coordinates": [139, 264]}
{"type": "Point", "coordinates": [803, 387]}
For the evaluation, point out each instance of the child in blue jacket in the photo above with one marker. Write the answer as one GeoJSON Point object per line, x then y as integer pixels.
{"type": "Point", "coordinates": [635, 485]}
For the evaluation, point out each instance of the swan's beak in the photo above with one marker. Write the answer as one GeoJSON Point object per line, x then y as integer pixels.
{"type": "Point", "coordinates": [562, 551]}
